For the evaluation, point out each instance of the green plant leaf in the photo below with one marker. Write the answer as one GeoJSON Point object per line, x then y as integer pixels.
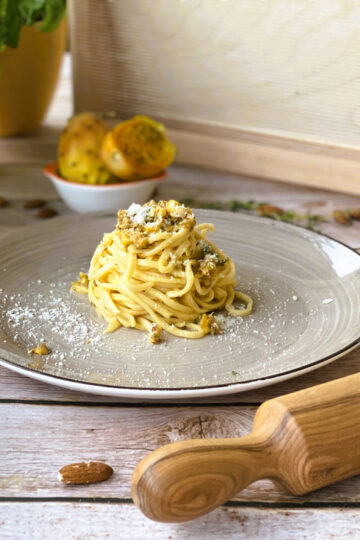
{"type": "Point", "coordinates": [3, 4]}
{"type": "Point", "coordinates": [14, 14]}
{"type": "Point", "coordinates": [30, 10]}
{"type": "Point", "coordinates": [54, 11]}
{"type": "Point", "coordinates": [10, 23]}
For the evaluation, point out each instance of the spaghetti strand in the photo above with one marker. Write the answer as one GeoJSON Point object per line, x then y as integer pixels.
{"type": "Point", "coordinates": [157, 271]}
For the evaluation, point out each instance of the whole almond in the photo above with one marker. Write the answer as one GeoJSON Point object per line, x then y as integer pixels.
{"type": "Point", "coordinates": [342, 217]}
{"type": "Point", "coordinates": [46, 213]}
{"type": "Point", "coordinates": [268, 210]}
{"type": "Point", "coordinates": [34, 203]}
{"type": "Point", "coordinates": [84, 473]}
{"type": "Point", "coordinates": [3, 202]}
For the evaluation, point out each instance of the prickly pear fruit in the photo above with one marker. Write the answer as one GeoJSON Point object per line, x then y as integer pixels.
{"type": "Point", "coordinates": [137, 148]}
{"type": "Point", "coordinates": [79, 150]}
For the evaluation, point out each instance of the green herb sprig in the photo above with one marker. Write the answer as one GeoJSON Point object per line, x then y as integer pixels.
{"type": "Point", "coordinates": [307, 220]}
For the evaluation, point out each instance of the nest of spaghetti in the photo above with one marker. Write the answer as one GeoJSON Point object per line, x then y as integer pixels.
{"type": "Point", "coordinates": [158, 271]}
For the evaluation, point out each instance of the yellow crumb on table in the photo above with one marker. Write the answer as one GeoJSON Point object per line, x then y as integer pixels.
{"type": "Point", "coordinates": [155, 334]}
{"type": "Point", "coordinates": [41, 349]}
{"type": "Point", "coordinates": [209, 324]}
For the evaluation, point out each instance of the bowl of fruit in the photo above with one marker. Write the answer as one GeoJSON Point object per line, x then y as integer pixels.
{"type": "Point", "coordinates": [102, 169]}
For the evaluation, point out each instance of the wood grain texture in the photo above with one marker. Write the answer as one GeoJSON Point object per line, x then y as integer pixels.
{"type": "Point", "coordinates": [253, 87]}
{"type": "Point", "coordinates": [262, 156]}
{"type": "Point", "coordinates": [305, 441]}
{"type": "Point", "coordinates": [270, 67]}
{"type": "Point", "coordinates": [37, 440]}
{"type": "Point", "coordinates": [19, 183]}
{"type": "Point", "coordinates": [285, 160]}
{"type": "Point", "coordinates": [44, 520]}
{"type": "Point", "coordinates": [330, 165]}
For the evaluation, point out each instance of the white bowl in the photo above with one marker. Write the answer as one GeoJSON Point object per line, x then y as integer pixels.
{"type": "Point", "coordinates": [108, 197]}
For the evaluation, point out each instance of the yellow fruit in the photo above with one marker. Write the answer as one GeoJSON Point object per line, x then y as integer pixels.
{"type": "Point", "coordinates": [79, 150]}
{"type": "Point", "coordinates": [137, 148]}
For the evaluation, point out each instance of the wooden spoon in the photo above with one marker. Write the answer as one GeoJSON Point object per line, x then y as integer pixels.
{"type": "Point", "coordinates": [304, 441]}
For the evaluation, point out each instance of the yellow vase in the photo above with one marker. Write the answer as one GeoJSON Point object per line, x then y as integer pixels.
{"type": "Point", "coordinates": [28, 78]}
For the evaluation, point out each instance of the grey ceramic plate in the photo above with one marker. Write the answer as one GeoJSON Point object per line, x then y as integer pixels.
{"type": "Point", "coordinates": [306, 289]}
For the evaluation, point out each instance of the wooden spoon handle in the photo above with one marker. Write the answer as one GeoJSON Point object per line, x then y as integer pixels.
{"type": "Point", "coordinates": [186, 479]}
{"type": "Point", "coordinates": [306, 440]}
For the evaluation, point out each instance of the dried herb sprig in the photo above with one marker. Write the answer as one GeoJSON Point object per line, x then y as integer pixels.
{"type": "Point", "coordinates": [264, 209]}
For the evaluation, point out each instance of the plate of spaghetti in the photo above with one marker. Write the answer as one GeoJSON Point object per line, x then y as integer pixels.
{"type": "Point", "coordinates": [160, 302]}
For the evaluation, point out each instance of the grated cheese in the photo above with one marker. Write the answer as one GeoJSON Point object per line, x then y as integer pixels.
{"type": "Point", "coordinates": [138, 213]}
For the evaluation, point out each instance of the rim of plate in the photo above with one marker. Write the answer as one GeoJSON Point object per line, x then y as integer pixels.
{"type": "Point", "coordinates": [50, 170]}
{"type": "Point", "coordinates": [172, 393]}
{"type": "Point", "coordinates": [198, 391]}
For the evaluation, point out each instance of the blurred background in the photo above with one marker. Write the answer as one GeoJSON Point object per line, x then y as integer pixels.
{"type": "Point", "coordinates": [261, 88]}
{"type": "Point", "coordinates": [224, 75]}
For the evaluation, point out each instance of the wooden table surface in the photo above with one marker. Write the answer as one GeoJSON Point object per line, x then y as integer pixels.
{"type": "Point", "coordinates": [43, 427]}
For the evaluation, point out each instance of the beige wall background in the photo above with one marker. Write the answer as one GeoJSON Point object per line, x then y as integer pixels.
{"type": "Point", "coordinates": [233, 70]}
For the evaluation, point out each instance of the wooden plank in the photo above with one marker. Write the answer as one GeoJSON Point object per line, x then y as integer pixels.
{"type": "Point", "coordinates": [266, 85]}
{"type": "Point", "coordinates": [292, 161]}
{"type": "Point", "coordinates": [17, 387]}
{"type": "Point", "coordinates": [28, 182]}
{"type": "Point", "coordinates": [315, 165]}
{"type": "Point", "coordinates": [35, 149]}
{"type": "Point", "coordinates": [291, 69]}
{"type": "Point", "coordinates": [20, 183]}
{"type": "Point", "coordinates": [36, 441]}
{"type": "Point", "coordinates": [45, 520]}
{"type": "Point", "coordinates": [14, 216]}
{"type": "Point", "coordinates": [251, 153]}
